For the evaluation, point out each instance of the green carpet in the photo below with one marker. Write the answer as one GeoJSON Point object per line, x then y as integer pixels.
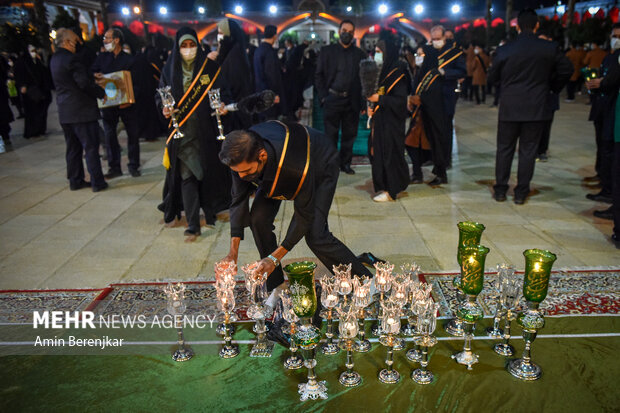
{"type": "Point", "coordinates": [578, 375]}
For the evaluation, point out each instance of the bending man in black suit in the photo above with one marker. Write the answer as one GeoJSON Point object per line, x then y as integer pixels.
{"type": "Point", "coordinates": [279, 162]}
{"type": "Point", "coordinates": [527, 69]}
{"type": "Point", "coordinates": [76, 94]}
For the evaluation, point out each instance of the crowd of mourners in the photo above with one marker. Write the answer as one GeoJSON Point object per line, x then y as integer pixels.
{"type": "Point", "coordinates": [409, 94]}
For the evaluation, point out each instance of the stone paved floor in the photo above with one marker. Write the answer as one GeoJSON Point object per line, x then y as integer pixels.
{"type": "Point", "coordinates": [51, 237]}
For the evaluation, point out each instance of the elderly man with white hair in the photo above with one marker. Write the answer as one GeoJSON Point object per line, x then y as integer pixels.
{"type": "Point", "coordinates": [76, 97]}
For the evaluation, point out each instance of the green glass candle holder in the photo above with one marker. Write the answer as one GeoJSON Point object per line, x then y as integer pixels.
{"type": "Point", "coordinates": [472, 279]}
{"type": "Point", "coordinates": [301, 285]}
{"type": "Point", "coordinates": [538, 265]}
{"type": "Point", "coordinates": [301, 281]}
{"type": "Point", "coordinates": [470, 233]}
{"type": "Point", "coordinates": [472, 268]}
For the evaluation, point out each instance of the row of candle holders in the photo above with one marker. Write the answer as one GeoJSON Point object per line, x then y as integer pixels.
{"type": "Point", "coordinates": [348, 298]}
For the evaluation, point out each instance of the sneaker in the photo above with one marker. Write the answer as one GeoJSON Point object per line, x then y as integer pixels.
{"type": "Point", "coordinates": [383, 197]}
{"type": "Point", "coordinates": [2, 149]}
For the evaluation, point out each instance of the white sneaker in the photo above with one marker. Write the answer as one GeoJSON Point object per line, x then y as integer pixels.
{"type": "Point", "coordinates": [383, 197]}
{"type": "Point", "coordinates": [2, 149]}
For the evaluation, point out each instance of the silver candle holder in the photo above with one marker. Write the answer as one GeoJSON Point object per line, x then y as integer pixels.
{"type": "Point", "coordinates": [259, 310]}
{"type": "Point", "coordinates": [329, 299]}
{"type": "Point", "coordinates": [418, 306]}
{"type": "Point", "coordinates": [503, 271]}
{"type": "Point", "coordinates": [348, 329]}
{"type": "Point", "coordinates": [361, 300]}
{"type": "Point", "coordinates": [413, 271]}
{"type": "Point", "coordinates": [216, 104]}
{"type": "Point", "coordinates": [168, 102]}
{"type": "Point", "coordinates": [294, 361]}
{"type": "Point", "coordinates": [175, 294]}
{"type": "Point", "coordinates": [426, 323]}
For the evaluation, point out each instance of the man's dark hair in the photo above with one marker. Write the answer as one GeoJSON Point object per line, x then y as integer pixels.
{"type": "Point", "coordinates": [118, 34]}
{"type": "Point", "coordinates": [527, 20]}
{"type": "Point", "coordinates": [270, 31]}
{"type": "Point", "coordinates": [240, 146]}
{"type": "Point", "coordinates": [615, 26]}
{"type": "Point", "coordinates": [345, 21]}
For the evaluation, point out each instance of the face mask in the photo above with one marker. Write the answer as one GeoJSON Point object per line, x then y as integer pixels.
{"type": "Point", "coordinates": [615, 43]}
{"type": "Point", "coordinates": [108, 46]}
{"type": "Point", "coordinates": [438, 44]}
{"type": "Point", "coordinates": [127, 51]}
{"type": "Point", "coordinates": [33, 54]}
{"type": "Point", "coordinates": [379, 58]}
{"type": "Point", "coordinates": [280, 55]}
{"type": "Point", "coordinates": [346, 37]}
{"type": "Point", "coordinates": [188, 53]}
{"type": "Point", "coordinates": [477, 51]}
{"type": "Point", "coordinates": [419, 60]}
{"type": "Point", "coordinates": [220, 37]}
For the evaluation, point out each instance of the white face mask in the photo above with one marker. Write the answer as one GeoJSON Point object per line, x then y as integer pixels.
{"type": "Point", "coordinates": [476, 51]}
{"type": "Point", "coordinates": [419, 60]}
{"type": "Point", "coordinates": [33, 54]}
{"type": "Point", "coordinates": [127, 51]}
{"type": "Point", "coordinates": [438, 44]}
{"type": "Point", "coordinates": [108, 46]}
{"type": "Point", "coordinates": [189, 53]}
{"type": "Point", "coordinates": [220, 37]}
{"type": "Point", "coordinates": [379, 58]}
{"type": "Point", "coordinates": [615, 43]}
{"type": "Point", "coordinates": [280, 55]}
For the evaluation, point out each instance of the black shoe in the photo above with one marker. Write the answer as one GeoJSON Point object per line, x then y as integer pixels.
{"type": "Point", "coordinates": [100, 187]}
{"type": "Point", "coordinates": [542, 157]}
{"type": "Point", "coordinates": [519, 201]}
{"type": "Point", "coordinates": [616, 240]}
{"type": "Point", "coordinates": [499, 197]}
{"type": "Point", "coordinates": [347, 170]}
{"type": "Point", "coordinates": [600, 197]}
{"type": "Point", "coordinates": [135, 173]}
{"type": "Point", "coordinates": [416, 180]}
{"type": "Point", "coordinates": [604, 214]}
{"type": "Point", "coordinates": [369, 259]}
{"type": "Point", "coordinates": [113, 173]}
{"type": "Point", "coordinates": [438, 181]}
{"type": "Point", "coordinates": [276, 334]}
{"type": "Point", "coordinates": [189, 232]}
{"type": "Point", "coordinates": [83, 184]}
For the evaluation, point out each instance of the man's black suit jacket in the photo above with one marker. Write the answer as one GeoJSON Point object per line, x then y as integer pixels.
{"type": "Point", "coordinates": [528, 69]}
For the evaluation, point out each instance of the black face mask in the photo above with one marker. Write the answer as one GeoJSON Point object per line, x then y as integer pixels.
{"type": "Point", "coordinates": [256, 175]}
{"type": "Point", "coordinates": [449, 42]}
{"type": "Point", "coordinates": [346, 37]}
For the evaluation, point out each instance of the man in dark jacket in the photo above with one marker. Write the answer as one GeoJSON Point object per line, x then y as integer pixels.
{"type": "Point", "coordinates": [277, 162]}
{"type": "Point", "coordinates": [452, 67]}
{"type": "Point", "coordinates": [76, 94]}
{"type": "Point", "coordinates": [114, 60]}
{"type": "Point", "coordinates": [268, 71]}
{"type": "Point", "coordinates": [527, 69]}
{"type": "Point", "coordinates": [339, 90]}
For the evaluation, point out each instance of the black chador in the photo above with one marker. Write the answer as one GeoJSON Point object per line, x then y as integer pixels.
{"type": "Point", "coordinates": [386, 146]}
{"type": "Point", "coordinates": [302, 166]}
{"type": "Point", "coordinates": [195, 177]}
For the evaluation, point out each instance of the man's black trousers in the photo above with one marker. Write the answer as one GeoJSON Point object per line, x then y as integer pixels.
{"type": "Point", "coordinates": [83, 138]}
{"type": "Point", "coordinates": [338, 113]}
{"type": "Point", "coordinates": [528, 135]}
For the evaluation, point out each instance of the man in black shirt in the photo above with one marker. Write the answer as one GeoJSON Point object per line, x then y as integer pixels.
{"type": "Point", "coordinates": [339, 90]}
{"type": "Point", "coordinates": [268, 72]}
{"type": "Point", "coordinates": [113, 60]}
{"type": "Point", "coordinates": [278, 162]}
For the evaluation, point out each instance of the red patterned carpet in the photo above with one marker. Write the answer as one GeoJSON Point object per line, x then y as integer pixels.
{"type": "Point", "coordinates": [579, 292]}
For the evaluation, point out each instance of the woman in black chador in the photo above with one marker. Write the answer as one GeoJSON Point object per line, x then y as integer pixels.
{"type": "Point", "coordinates": [195, 177]}
{"type": "Point", "coordinates": [236, 75]}
{"type": "Point", "coordinates": [386, 145]}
